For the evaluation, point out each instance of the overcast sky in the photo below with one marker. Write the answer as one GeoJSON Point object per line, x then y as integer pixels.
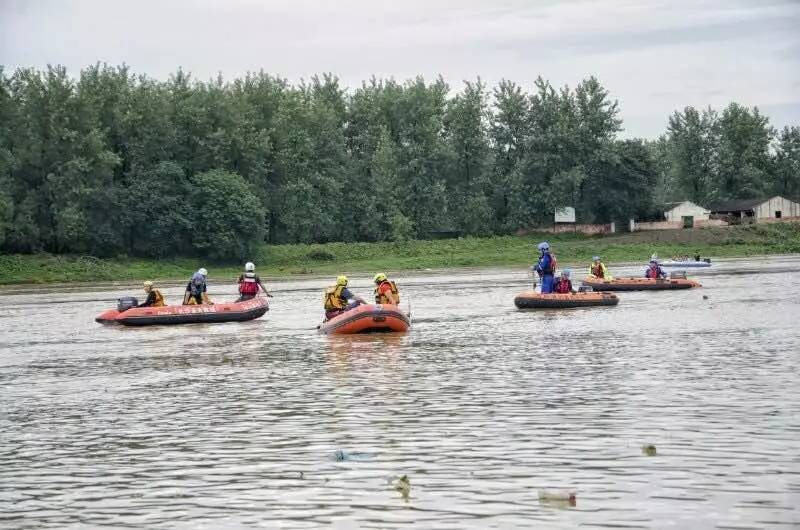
{"type": "Point", "coordinates": [653, 56]}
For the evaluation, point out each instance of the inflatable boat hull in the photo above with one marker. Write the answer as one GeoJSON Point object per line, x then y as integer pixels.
{"type": "Point", "coordinates": [534, 300]}
{"type": "Point", "coordinates": [369, 318]}
{"type": "Point", "coordinates": [639, 284]}
{"type": "Point", "coordinates": [186, 314]}
{"type": "Point", "coordinates": [686, 264]}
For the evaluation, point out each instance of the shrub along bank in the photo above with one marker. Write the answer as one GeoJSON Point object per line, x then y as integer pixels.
{"type": "Point", "coordinates": [333, 258]}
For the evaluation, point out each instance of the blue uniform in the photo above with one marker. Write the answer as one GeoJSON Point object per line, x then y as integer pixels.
{"type": "Point", "coordinates": [546, 272]}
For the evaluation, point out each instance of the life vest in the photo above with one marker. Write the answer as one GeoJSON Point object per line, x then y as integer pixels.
{"type": "Point", "coordinates": [197, 284]}
{"type": "Point", "coordinates": [598, 271]}
{"type": "Point", "coordinates": [334, 298]}
{"type": "Point", "coordinates": [553, 265]}
{"type": "Point", "coordinates": [159, 298]}
{"type": "Point", "coordinates": [653, 273]}
{"type": "Point", "coordinates": [563, 287]}
{"type": "Point", "coordinates": [381, 298]}
{"type": "Point", "coordinates": [248, 283]}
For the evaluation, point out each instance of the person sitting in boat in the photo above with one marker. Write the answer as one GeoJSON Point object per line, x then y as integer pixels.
{"type": "Point", "coordinates": [598, 269]}
{"type": "Point", "coordinates": [196, 289]}
{"type": "Point", "coordinates": [563, 285]}
{"type": "Point", "coordinates": [337, 298]}
{"type": "Point", "coordinates": [654, 271]}
{"type": "Point", "coordinates": [546, 267]}
{"type": "Point", "coordinates": [385, 290]}
{"type": "Point", "coordinates": [154, 296]}
{"type": "Point", "coordinates": [250, 283]}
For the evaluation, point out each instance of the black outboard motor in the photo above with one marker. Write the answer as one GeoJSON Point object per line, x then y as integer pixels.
{"type": "Point", "coordinates": [126, 302]}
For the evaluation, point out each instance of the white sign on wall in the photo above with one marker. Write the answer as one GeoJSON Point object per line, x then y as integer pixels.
{"type": "Point", "coordinates": [565, 215]}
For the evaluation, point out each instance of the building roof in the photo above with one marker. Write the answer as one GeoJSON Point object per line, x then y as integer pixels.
{"type": "Point", "coordinates": [671, 205]}
{"type": "Point", "coordinates": [738, 205]}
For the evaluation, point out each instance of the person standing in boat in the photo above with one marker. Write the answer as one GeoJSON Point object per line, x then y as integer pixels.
{"type": "Point", "coordinates": [197, 290]}
{"type": "Point", "coordinates": [385, 290]}
{"type": "Point", "coordinates": [654, 271]}
{"type": "Point", "coordinates": [250, 283]}
{"type": "Point", "coordinates": [337, 298]}
{"type": "Point", "coordinates": [154, 296]}
{"type": "Point", "coordinates": [563, 285]}
{"type": "Point", "coordinates": [546, 268]}
{"type": "Point", "coordinates": [598, 269]}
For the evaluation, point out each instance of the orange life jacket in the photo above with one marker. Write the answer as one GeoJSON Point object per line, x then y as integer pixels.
{"type": "Point", "coordinates": [381, 298]}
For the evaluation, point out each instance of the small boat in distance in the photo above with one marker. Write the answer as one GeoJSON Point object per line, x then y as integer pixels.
{"type": "Point", "coordinates": [688, 264]}
{"type": "Point", "coordinates": [638, 284]}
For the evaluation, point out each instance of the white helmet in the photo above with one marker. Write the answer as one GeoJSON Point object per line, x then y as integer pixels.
{"type": "Point", "coordinates": [249, 267]}
{"type": "Point", "coordinates": [202, 271]}
{"type": "Point", "coordinates": [543, 246]}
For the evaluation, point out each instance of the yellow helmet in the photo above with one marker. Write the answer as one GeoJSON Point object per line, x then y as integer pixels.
{"type": "Point", "coordinates": [341, 280]}
{"type": "Point", "coordinates": [148, 285]}
{"type": "Point", "coordinates": [380, 277]}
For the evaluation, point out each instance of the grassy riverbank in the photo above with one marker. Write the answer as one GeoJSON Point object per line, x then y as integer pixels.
{"type": "Point", "coordinates": [332, 258]}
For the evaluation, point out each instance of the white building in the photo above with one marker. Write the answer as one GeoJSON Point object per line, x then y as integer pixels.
{"type": "Point", "coordinates": [754, 210]}
{"type": "Point", "coordinates": [686, 213]}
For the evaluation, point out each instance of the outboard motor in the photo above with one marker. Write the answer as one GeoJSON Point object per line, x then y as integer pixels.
{"type": "Point", "coordinates": [677, 275]}
{"type": "Point", "coordinates": [126, 302]}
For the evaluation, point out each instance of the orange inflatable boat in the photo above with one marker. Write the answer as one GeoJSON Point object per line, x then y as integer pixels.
{"type": "Point", "coordinates": [368, 318]}
{"type": "Point", "coordinates": [186, 314]}
{"type": "Point", "coordinates": [534, 300]}
{"type": "Point", "coordinates": [638, 284]}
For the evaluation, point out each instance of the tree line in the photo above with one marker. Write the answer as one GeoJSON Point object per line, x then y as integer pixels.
{"type": "Point", "coordinates": [114, 163]}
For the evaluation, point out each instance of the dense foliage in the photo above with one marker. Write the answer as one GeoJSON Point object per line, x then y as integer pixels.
{"type": "Point", "coordinates": [111, 163]}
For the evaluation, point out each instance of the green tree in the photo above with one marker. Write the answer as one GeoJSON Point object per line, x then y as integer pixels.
{"type": "Point", "coordinates": [160, 212]}
{"type": "Point", "coordinates": [227, 218]}
{"type": "Point", "coordinates": [693, 140]}
{"type": "Point", "coordinates": [743, 153]}
{"type": "Point", "coordinates": [787, 163]}
{"type": "Point", "coordinates": [469, 175]}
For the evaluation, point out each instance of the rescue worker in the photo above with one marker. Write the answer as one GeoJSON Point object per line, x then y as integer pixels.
{"type": "Point", "coordinates": [546, 268]}
{"type": "Point", "coordinates": [654, 271]}
{"type": "Point", "coordinates": [196, 289]}
{"type": "Point", "coordinates": [563, 285]}
{"type": "Point", "coordinates": [154, 296]}
{"type": "Point", "coordinates": [598, 269]}
{"type": "Point", "coordinates": [337, 298]}
{"type": "Point", "coordinates": [250, 283]}
{"type": "Point", "coordinates": [385, 290]}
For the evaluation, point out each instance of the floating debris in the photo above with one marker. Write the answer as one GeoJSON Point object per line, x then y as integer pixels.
{"type": "Point", "coordinates": [403, 486]}
{"type": "Point", "coordinates": [342, 456]}
{"type": "Point", "coordinates": [558, 497]}
{"type": "Point", "coordinates": [705, 297]}
{"type": "Point", "coordinates": [649, 449]}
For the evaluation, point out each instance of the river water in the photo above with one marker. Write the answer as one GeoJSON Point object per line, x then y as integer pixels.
{"type": "Point", "coordinates": [268, 424]}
